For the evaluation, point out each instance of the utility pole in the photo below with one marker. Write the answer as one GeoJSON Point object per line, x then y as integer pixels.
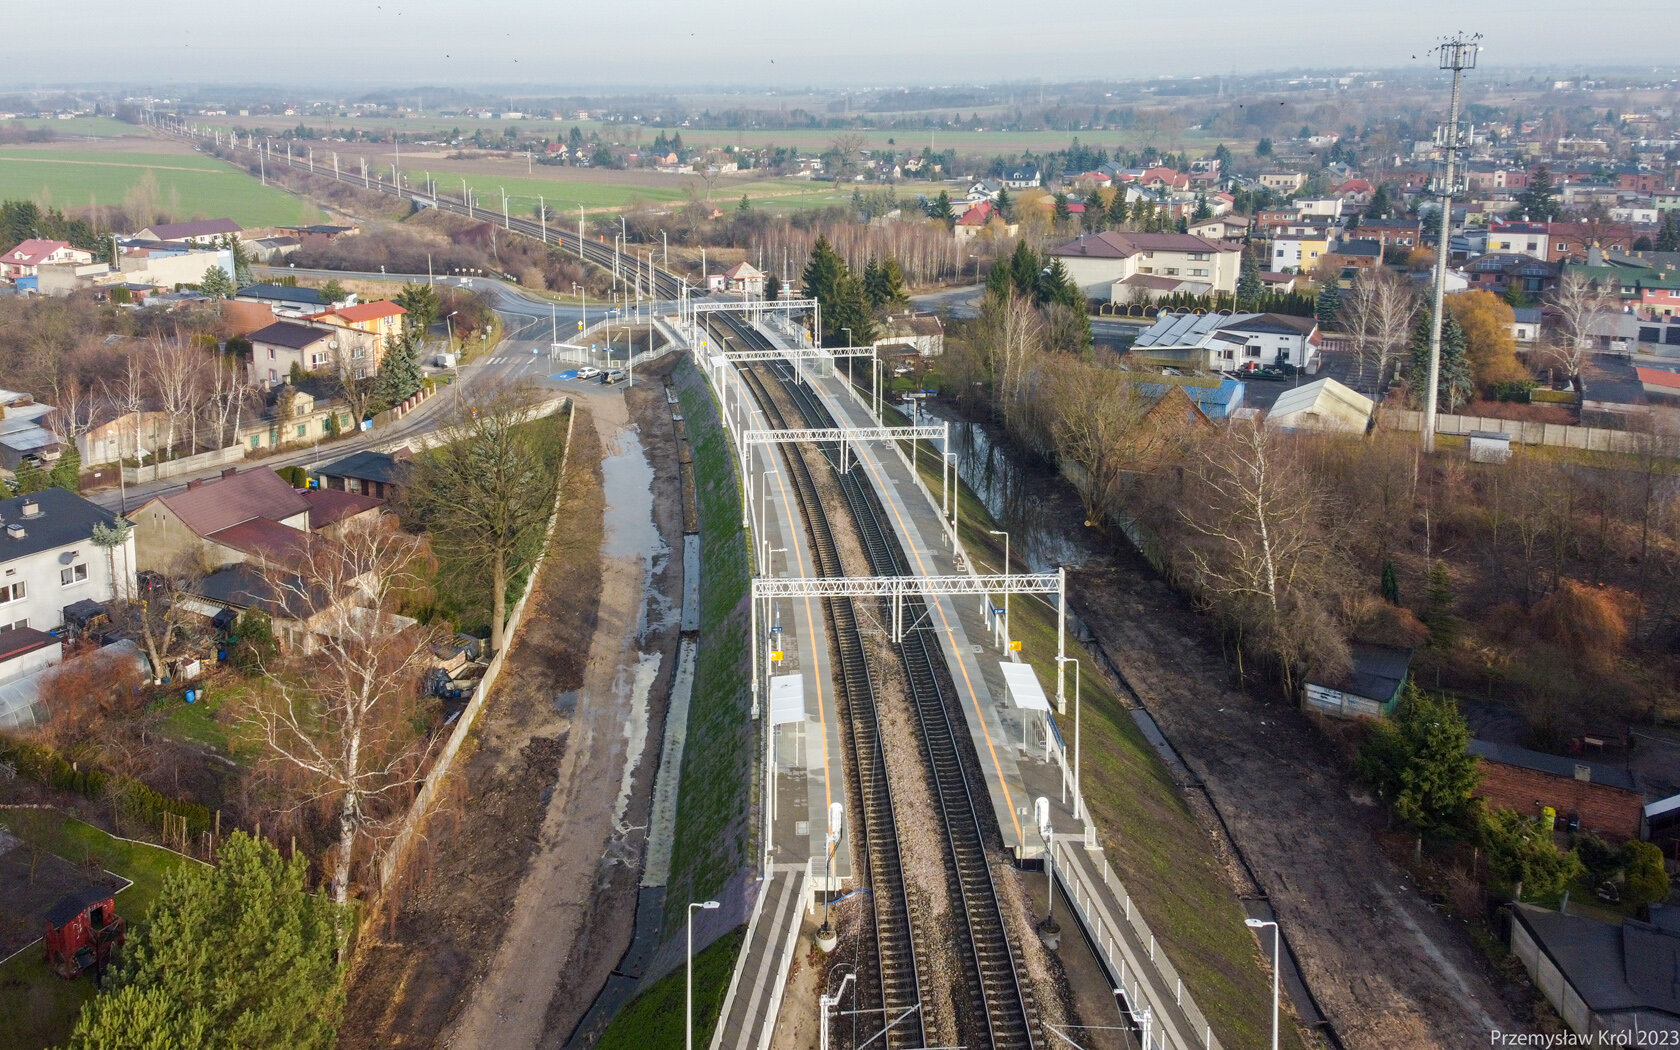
{"type": "Point", "coordinates": [1456, 54]}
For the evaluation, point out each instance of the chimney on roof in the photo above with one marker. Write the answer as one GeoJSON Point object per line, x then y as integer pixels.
{"type": "Point", "coordinates": [228, 472]}
{"type": "Point", "coordinates": [31, 509]}
{"type": "Point", "coordinates": [194, 483]}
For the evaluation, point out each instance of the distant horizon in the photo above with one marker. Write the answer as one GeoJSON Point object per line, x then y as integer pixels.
{"type": "Point", "coordinates": [316, 90]}
{"type": "Point", "coordinates": [668, 46]}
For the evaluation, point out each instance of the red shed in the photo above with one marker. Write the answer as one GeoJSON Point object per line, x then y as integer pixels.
{"type": "Point", "coordinates": [83, 928]}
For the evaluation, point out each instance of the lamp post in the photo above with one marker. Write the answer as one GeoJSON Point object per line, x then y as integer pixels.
{"type": "Point", "coordinates": [688, 1027]}
{"type": "Point", "coordinates": [1005, 534]}
{"type": "Point", "coordinates": [1277, 964]}
{"type": "Point", "coordinates": [1049, 932]}
{"type": "Point", "coordinates": [449, 328]}
{"type": "Point", "coordinates": [1078, 798]}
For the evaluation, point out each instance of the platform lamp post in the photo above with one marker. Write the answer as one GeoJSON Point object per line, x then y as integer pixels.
{"type": "Point", "coordinates": [1277, 965]}
{"type": "Point", "coordinates": [1048, 931]}
{"type": "Point", "coordinates": [826, 939]}
{"type": "Point", "coordinates": [688, 1027]}
{"type": "Point", "coordinates": [1078, 797]}
{"type": "Point", "coordinates": [1006, 563]}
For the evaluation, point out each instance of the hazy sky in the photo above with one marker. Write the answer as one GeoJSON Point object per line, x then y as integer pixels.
{"type": "Point", "coordinates": [677, 43]}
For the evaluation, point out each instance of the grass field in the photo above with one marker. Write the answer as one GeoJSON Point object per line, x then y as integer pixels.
{"type": "Point", "coordinates": [88, 127]}
{"type": "Point", "coordinates": [37, 1008]}
{"type": "Point", "coordinates": [654, 1019]}
{"type": "Point", "coordinates": [603, 192]}
{"type": "Point", "coordinates": [189, 185]}
{"type": "Point", "coordinates": [976, 142]}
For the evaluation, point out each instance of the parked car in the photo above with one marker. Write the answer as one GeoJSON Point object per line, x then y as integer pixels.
{"type": "Point", "coordinates": [613, 375]}
{"type": "Point", "coordinates": [589, 372]}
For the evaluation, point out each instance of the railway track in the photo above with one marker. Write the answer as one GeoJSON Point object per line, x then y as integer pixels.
{"type": "Point", "coordinates": [893, 990]}
{"type": "Point", "coordinates": [999, 1007]}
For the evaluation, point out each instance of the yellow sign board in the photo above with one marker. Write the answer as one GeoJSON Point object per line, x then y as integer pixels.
{"type": "Point", "coordinates": [775, 656]}
{"type": "Point", "coordinates": [1015, 647]}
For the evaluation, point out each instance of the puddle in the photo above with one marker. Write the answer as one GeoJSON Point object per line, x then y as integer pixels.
{"type": "Point", "coordinates": [627, 479]}
{"type": "Point", "coordinates": [566, 703]}
{"type": "Point", "coordinates": [641, 675]}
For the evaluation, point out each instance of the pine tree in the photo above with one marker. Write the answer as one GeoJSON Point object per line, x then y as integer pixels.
{"type": "Point", "coordinates": [1390, 582]}
{"type": "Point", "coordinates": [1456, 383]}
{"type": "Point", "coordinates": [1023, 269]}
{"type": "Point", "coordinates": [1117, 210]}
{"type": "Point", "coordinates": [940, 209]}
{"type": "Point", "coordinates": [998, 280]}
{"type": "Point", "coordinates": [1203, 210]}
{"type": "Point", "coordinates": [1005, 205]}
{"type": "Point", "coordinates": [399, 372]}
{"type": "Point", "coordinates": [1440, 608]}
{"type": "Point", "coordinates": [236, 955]}
{"type": "Point", "coordinates": [1063, 214]}
{"type": "Point", "coordinates": [1249, 288]}
{"type": "Point", "coordinates": [1668, 234]}
{"type": "Point", "coordinates": [1539, 200]}
{"type": "Point", "coordinates": [873, 287]}
{"type": "Point", "coordinates": [29, 478]}
{"type": "Point", "coordinates": [1096, 213]}
{"type": "Point", "coordinates": [67, 472]}
{"type": "Point", "coordinates": [421, 302]}
{"type": "Point", "coordinates": [1420, 764]}
{"type": "Point", "coordinates": [1328, 305]}
{"type": "Point", "coordinates": [216, 283]}
{"type": "Point", "coordinates": [1381, 203]}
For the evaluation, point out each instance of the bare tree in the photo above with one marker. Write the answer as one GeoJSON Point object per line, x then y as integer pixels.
{"type": "Point", "coordinates": [160, 609]}
{"type": "Point", "coordinates": [1263, 558]}
{"type": "Point", "coordinates": [1379, 311]}
{"type": "Point", "coordinates": [225, 399]}
{"type": "Point", "coordinates": [1102, 426]}
{"type": "Point", "coordinates": [484, 494]}
{"type": "Point", "coordinates": [170, 366]}
{"type": "Point", "coordinates": [1582, 304]}
{"type": "Point", "coordinates": [341, 704]}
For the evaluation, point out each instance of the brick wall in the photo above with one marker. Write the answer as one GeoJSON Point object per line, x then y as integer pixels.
{"type": "Point", "coordinates": [1603, 809]}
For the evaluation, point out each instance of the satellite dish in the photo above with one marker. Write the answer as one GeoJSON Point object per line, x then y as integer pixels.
{"type": "Point", "coordinates": [332, 344]}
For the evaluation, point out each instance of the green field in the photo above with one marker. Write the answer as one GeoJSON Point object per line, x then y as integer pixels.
{"type": "Point", "coordinates": [37, 1008]}
{"type": "Point", "coordinates": [966, 142]}
{"type": "Point", "coordinates": [565, 195]}
{"type": "Point", "coordinates": [78, 127]}
{"type": "Point", "coordinates": [189, 185]}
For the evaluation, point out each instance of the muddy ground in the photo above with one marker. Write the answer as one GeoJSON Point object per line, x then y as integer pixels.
{"type": "Point", "coordinates": [531, 828]}
{"type": "Point", "coordinates": [1388, 970]}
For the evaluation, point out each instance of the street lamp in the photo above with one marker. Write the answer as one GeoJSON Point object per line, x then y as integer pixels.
{"type": "Point", "coordinates": [688, 1027]}
{"type": "Point", "coordinates": [449, 328]}
{"type": "Point", "coordinates": [1078, 797]}
{"type": "Point", "coordinates": [1048, 930]}
{"type": "Point", "coordinates": [1277, 964]}
{"type": "Point", "coordinates": [1005, 534]}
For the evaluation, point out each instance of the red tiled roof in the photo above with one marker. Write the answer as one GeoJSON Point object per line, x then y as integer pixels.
{"type": "Point", "coordinates": [978, 215]}
{"type": "Point", "coordinates": [218, 504]}
{"type": "Point", "coordinates": [743, 272]}
{"type": "Point", "coordinates": [370, 311]}
{"type": "Point", "coordinates": [33, 252]}
{"type": "Point", "coordinates": [330, 506]}
{"type": "Point", "coordinates": [1659, 377]}
{"type": "Point", "coordinates": [1114, 245]}
{"type": "Point", "coordinates": [263, 537]}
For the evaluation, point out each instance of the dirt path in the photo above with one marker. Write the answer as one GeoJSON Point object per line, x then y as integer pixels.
{"type": "Point", "coordinates": [408, 985]}
{"type": "Point", "coordinates": [573, 914]}
{"type": "Point", "coordinates": [1387, 969]}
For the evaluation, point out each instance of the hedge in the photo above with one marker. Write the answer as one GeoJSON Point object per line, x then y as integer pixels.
{"type": "Point", "coordinates": [46, 766]}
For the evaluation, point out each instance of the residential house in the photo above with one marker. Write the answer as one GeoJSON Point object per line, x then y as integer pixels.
{"type": "Point", "coordinates": [1285, 182]}
{"type": "Point", "coordinates": [1597, 797]}
{"type": "Point", "coordinates": [198, 231]}
{"type": "Point", "coordinates": [1022, 179]}
{"type": "Point", "coordinates": [1519, 238]}
{"type": "Point", "coordinates": [1354, 191]}
{"type": "Point", "coordinates": [922, 334]}
{"type": "Point", "coordinates": [129, 435]}
{"type": "Point", "coordinates": [1401, 233]}
{"type": "Point", "coordinates": [171, 265]}
{"type": "Point", "coordinates": [1349, 257]}
{"type": "Point", "coordinates": [378, 474]}
{"type": "Point", "coordinates": [1299, 251]}
{"type": "Point", "coordinates": [48, 559]}
{"type": "Point", "coordinates": [288, 301]}
{"type": "Point", "coordinates": [1525, 324]}
{"type": "Point", "coordinates": [1098, 262]}
{"type": "Point", "coordinates": [273, 249]}
{"type": "Point", "coordinates": [294, 417]}
{"type": "Point", "coordinates": [333, 512]}
{"type": "Point", "coordinates": [1316, 209]}
{"type": "Point", "coordinates": [1161, 178]}
{"type": "Point", "coordinates": [1321, 405]}
{"type": "Point", "coordinates": [984, 217]}
{"type": "Point", "coordinates": [381, 319]}
{"type": "Point", "coordinates": [1229, 342]}
{"type": "Point", "coordinates": [1270, 220]}
{"type": "Point", "coordinates": [28, 430]}
{"type": "Point", "coordinates": [1495, 272]}
{"type": "Point", "coordinates": [224, 521]}
{"type": "Point", "coordinates": [1217, 399]}
{"type": "Point", "coordinates": [26, 258]}
{"type": "Point", "coordinates": [1575, 240]}
{"type": "Point", "coordinates": [317, 236]}
{"type": "Point", "coordinates": [1220, 227]}
{"type": "Point", "coordinates": [1614, 984]}
{"type": "Point", "coordinates": [312, 348]}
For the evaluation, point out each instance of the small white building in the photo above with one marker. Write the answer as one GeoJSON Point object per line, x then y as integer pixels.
{"type": "Point", "coordinates": [1321, 405]}
{"type": "Point", "coordinates": [1486, 446]}
{"type": "Point", "coordinates": [48, 559]}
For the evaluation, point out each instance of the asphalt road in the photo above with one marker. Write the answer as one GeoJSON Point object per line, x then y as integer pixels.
{"type": "Point", "coordinates": [528, 327]}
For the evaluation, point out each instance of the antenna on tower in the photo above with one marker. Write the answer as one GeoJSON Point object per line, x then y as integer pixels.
{"type": "Point", "coordinates": [1456, 53]}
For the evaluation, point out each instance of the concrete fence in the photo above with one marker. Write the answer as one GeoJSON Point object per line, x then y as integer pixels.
{"type": "Point", "coordinates": [391, 863]}
{"type": "Point", "coordinates": [1593, 439]}
{"type": "Point", "coordinates": [174, 468]}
